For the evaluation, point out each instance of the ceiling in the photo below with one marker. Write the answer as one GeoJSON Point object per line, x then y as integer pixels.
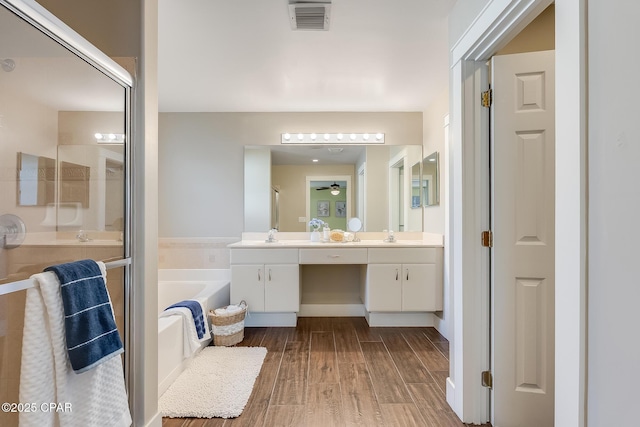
{"type": "Point", "coordinates": [304, 154]}
{"type": "Point", "coordinates": [241, 55]}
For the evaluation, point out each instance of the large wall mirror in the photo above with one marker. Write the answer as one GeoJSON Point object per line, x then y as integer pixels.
{"type": "Point", "coordinates": [369, 194]}
{"type": "Point", "coordinates": [430, 180]}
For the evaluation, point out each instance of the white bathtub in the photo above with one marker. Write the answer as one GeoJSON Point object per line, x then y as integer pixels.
{"type": "Point", "coordinates": [175, 286]}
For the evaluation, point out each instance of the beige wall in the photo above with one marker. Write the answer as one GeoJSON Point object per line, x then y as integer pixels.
{"type": "Point", "coordinates": [201, 160]}
{"type": "Point", "coordinates": [291, 180]}
{"type": "Point", "coordinates": [537, 36]}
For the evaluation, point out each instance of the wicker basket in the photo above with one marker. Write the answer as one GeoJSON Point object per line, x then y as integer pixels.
{"type": "Point", "coordinates": [228, 329]}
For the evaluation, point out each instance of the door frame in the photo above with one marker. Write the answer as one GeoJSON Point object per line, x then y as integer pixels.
{"type": "Point", "coordinates": [467, 283]}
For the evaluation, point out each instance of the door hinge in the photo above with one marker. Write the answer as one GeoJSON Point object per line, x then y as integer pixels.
{"type": "Point", "coordinates": [487, 98]}
{"type": "Point", "coordinates": [487, 379]}
{"type": "Point", "coordinates": [487, 239]}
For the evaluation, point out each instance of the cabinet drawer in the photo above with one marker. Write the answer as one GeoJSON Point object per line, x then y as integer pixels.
{"type": "Point", "coordinates": [403, 255]}
{"type": "Point", "coordinates": [333, 256]}
{"type": "Point", "coordinates": [264, 256]}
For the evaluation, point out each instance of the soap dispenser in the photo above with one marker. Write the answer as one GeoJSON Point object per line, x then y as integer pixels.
{"type": "Point", "coordinates": [325, 232]}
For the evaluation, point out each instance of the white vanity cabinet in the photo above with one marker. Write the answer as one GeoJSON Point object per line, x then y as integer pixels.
{"type": "Point", "coordinates": [404, 279]}
{"type": "Point", "coordinates": [268, 279]}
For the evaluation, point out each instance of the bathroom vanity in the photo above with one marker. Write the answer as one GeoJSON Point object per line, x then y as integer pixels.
{"type": "Point", "coordinates": [390, 284]}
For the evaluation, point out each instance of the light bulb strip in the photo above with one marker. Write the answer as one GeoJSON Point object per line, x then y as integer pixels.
{"type": "Point", "coordinates": [332, 138]}
{"type": "Point", "coordinates": [109, 138]}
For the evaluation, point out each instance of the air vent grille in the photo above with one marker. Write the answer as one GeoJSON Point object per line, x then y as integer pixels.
{"type": "Point", "coordinates": [309, 16]}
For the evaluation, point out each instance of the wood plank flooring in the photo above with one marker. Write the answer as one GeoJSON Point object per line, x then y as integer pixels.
{"type": "Point", "coordinates": [340, 372]}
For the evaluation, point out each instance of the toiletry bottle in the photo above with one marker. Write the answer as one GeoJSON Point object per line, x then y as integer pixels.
{"type": "Point", "coordinates": [325, 232]}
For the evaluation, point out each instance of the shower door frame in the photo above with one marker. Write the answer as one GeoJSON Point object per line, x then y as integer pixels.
{"type": "Point", "coordinates": [42, 20]}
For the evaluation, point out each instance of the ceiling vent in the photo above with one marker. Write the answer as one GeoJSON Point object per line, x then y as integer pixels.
{"type": "Point", "coordinates": [310, 16]}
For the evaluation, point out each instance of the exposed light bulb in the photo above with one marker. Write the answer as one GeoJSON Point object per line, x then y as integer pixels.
{"type": "Point", "coordinates": [352, 136]}
{"type": "Point", "coordinates": [326, 136]}
{"type": "Point", "coordinates": [287, 137]}
{"type": "Point", "coordinates": [313, 136]}
{"type": "Point", "coordinates": [112, 136]}
{"type": "Point", "coordinates": [98, 135]}
{"type": "Point", "coordinates": [339, 136]}
{"type": "Point", "coordinates": [365, 136]}
{"type": "Point", "coordinates": [300, 137]}
{"type": "Point", "coordinates": [378, 136]}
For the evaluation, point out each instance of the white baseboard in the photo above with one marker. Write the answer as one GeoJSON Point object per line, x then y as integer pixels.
{"type": "Point", "coordinates": [156, 421]}
{"type": "Point", "coordinates": [270, 319]}
{"type": "Point", "coordinates": [451, 394]}
{"type": "Point", "coordinates": [331, 310]}
{"type": "Point", "coordinates": [399, 319]}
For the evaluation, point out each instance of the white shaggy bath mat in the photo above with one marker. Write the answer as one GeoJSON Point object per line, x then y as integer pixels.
{"type": "Point", "coordinates": [217, 383]}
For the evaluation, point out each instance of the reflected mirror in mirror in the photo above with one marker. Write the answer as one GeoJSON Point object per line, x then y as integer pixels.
{"type": "Point", "coordinates": [287, 168]}
{"type": "Point", "coordinates": [415, 186]}
{"type": "Point", "coordinates": [102, 188]}
{"type": "Point", "coordinates": [36, 180]}
{"type": "Point", "coordinates": [430, 180]}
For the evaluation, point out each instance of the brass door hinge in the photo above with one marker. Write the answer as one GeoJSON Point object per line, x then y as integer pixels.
{"type": "Point", "coordinates": [487, 98]}
{"type": "Point", "coordinates": [487, 239]}
{"type": "Point", "coordinates": [487, 379]}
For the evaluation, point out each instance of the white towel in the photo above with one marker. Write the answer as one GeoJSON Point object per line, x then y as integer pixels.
{"type": "Point", "coordinates": [191, 342]}
{"type": "Point", "coordinates": [96, 397]}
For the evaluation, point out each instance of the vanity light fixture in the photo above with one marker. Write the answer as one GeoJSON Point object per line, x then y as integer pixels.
{"type": "Point", "coordinates": [109, 138]}
{"type": "Point", "coordinates": [333, 138]}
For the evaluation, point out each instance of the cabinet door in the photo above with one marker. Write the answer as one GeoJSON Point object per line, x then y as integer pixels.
{"type": "Point", "coordinates": [384, 287]}
{"type": "Point", "coordinates": [247, 283]}
{"type": "Point", "coordinates": [419, 288]}
{"type": "Point", "coordinates": [282, 287]}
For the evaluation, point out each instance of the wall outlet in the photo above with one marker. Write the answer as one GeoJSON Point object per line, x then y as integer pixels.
{"type": "Point", "coordinates": [302, 219]}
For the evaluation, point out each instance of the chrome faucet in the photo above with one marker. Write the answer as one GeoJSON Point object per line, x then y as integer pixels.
{"type": "Point", "coordinates": [271, 238]}
{"type": "Point", "coordinates": [390, 237]}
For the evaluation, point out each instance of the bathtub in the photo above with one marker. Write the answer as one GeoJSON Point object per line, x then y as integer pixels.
{"type": "Point", "coordinates": [175, 286]}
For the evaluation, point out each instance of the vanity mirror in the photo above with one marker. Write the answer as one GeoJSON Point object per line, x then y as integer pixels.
{"type": "Point", "coordinates": [36, 180]}
{"type": "Point", "coordinates": [370, 169]}
{"type": "Point", "coordinates": [430, 180]}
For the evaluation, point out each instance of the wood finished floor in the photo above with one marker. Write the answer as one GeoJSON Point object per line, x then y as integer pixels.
{"type": "Point", "coordinates": [340, 372]}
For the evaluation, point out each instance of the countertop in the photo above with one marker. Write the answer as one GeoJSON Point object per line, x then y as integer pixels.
{"type": "Point", "coordinates": [364, 243]}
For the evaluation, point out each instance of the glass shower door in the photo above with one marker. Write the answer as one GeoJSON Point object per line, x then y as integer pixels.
{"type": "Point", "coordinates": [64, 172]}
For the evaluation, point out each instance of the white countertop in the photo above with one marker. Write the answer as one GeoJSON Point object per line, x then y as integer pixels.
{"type": "Point", "coordinates": [288, 240]}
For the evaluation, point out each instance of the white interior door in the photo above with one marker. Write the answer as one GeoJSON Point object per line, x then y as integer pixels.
{"type": "Point", "coordinates": [523, 185]}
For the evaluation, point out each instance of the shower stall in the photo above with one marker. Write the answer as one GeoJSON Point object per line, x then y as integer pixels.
{"type": "Point", "coordinates": [65, 168]}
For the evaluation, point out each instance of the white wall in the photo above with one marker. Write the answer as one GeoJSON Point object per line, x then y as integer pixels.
{"type": "Point", "coordinates": [201, 160]}
{"type": "Point", "coordinates": [464, 12]}
{"type": "Point", "coordinates": [614, 203]}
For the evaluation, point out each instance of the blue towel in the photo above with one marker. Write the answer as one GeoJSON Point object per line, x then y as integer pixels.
{"type": "Point", "coordinates": [90, 329]}
{"type": "Point", "coordinates": [196, 312]}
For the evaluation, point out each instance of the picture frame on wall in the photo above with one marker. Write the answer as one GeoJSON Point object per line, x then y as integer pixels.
{"type": "Point", "coordinates": [323, 208]}
{"type": "Point", "coordinates": [341, 209]}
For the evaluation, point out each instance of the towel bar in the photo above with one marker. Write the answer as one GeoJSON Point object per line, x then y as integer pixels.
{"type": "Point", "coordinates": [21, 285]}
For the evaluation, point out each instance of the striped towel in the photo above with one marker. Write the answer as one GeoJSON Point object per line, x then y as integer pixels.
{"type": "Point", "coordinates": [90, 327]}
{"type": "Point", "coordinates": [196, 311]}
